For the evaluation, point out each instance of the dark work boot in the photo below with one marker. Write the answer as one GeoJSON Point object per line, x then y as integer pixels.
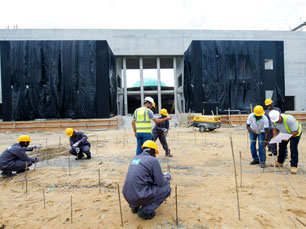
{"type": "Point", "coordinates": [89, 156]}
{"type": "Point", "coordinates": [262, 164]}
{"type": "Point", "coordinates": [80, 156]}
{"type": "Point", "coordinates": [254, 162]}
{"type": "Point", "coordinates": [146, 216]}
{"type": "Point", "coordinates": [168, 154]}
{"type": "Point", "coordinates": [22, 170]}
{"type": "Point", "coordinates": [7, 174]}
{"type": "Point", "coordinates": [135, 209]}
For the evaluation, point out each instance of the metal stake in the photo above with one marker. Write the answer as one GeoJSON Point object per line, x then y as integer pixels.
{"type": "Point", "coordinates": [71, 208]}
{"type": "Point", "coordinates": [276, 183]}
{"type": "Point", "coordinates": [69, 165]}
{"type": "Point", "coordinates": [99, 181]}
{"type": "Point", "coordinates": [120, 204]}
{"type": "Point", "coordinates": [44, 198]}
{"type": "Point", "coordinates": [25, 174]}
{"type": "Point", "coordinates": [235, 177]}
{"type": "Point", "coordinates": [176, 212]}
{"type": "Point", "coordinates": [240, 169]}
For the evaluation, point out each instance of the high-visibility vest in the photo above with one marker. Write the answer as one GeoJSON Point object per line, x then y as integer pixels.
{"type": "Point", "coordinates": [287, 127]}
{"type": "Point", "coordinates": [143, 122]}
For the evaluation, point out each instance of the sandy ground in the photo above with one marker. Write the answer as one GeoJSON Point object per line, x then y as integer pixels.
{"type": "Point", "coordinates": [202, 169]}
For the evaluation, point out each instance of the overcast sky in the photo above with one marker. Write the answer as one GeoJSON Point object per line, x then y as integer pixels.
{"type": "Point", "coordinates": [154, 14]}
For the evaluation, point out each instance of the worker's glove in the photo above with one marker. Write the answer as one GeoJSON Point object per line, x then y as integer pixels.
{"type": "Point", "coordinates": [76, 144]}
{"type": "Point", "coordinates": [38, 146]}
{"type": "Point", "coordinates": [36, 159]}
{"type": "Point", "coordinates": [167, 176]}
{"type": "Point", "coordinates": [77, 149]}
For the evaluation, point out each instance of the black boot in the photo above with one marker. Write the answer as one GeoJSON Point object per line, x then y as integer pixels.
{"type": "Point", "coordinates": [168, 154]}
{"type": "Point", "coordinates": [135, 209]}
{"type": "Point", "coordinates": [89, 156]}
{"type": "Point", "coordinates": [7, 174]}
{"type": "Point", "coordinates": [254, 162]}
{"type": "Point", "coordinates": [80, 156]}
{"type": "Point", "coordinates": [143, 215]}
{"type": "Point", "coordinates": [22, 170]}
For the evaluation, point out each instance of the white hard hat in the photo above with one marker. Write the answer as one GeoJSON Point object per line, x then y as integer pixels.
{"type": "Point", "coordinates": [149, 99]}
{"type": "Point", "coordinates": [274, 115]}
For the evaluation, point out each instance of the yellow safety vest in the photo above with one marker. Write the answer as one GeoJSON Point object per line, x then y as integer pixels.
{"type": "Point", "coordinates": [287, 127]}
{"type": "Point", "coordinates": [143, 122]}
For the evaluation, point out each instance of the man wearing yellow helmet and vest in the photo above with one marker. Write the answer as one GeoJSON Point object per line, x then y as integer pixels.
{"type": "Point", "coordinates": [79, 144]}
{"type": "Point", "coordinates": [160, 131]}
{"type": "Point", "coordinates": [14, 158]}
{"type": "Point", "coordinates": [272, 147]}
{"type": "Point", "coordinates": [257, 125]}
{"type": "Point", "coordinates": [146, 186]}
{"type": "Point", "coordinates": [283, 123]}
{"type": "Point", "coordinates": [142, 122]}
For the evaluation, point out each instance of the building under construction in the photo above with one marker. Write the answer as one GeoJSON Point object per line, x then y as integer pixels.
{"type": "Point", "coordinates": [55, 74]}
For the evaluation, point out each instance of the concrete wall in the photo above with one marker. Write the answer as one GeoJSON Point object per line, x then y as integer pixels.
{"type": "Point", "coordinates": [175, 42]}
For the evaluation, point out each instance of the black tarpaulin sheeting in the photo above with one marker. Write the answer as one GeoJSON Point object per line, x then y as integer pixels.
{"type": "Point", "coordinates": [230, 74]}
{"type": "Point", "coordinates": [57, 79]}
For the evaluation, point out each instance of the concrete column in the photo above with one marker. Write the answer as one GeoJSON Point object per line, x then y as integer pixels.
{"type": "Point", "coordinates": [125, 87]}
{"type": "Point", "coordinates": [158, 85]}
{"type": "Point", "coordinates": [141, 81]}
{"type": "Point", "coordinates": [175, 84]}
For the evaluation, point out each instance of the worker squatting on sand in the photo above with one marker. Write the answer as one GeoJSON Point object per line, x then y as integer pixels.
{"type": "Point", "coordinates": [283, 123]}
{"type": "Point", "coordinates": [146, 186]}
{"type": "Point", "coordinates": [14, 158]}
{"type": "Point", "coordinates": [79, 144]}
{"type": "Point", "coordinates": [160, 131]}
{"type": "Point", "coordinates": [142, 122]}
{"type": "Point", "coordinates": [257, 125]}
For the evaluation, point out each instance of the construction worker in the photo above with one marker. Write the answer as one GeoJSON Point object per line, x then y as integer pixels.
{"type": "Point", "coordinates": [272, 147]}
{"type": "Point", "coordinates": [14, 158]}
{"type": "Point", "coordinates": [283, 123]}
{"type": "Point", "coordinates": [79, 144]}
{"type": "Point", "coordinates": [146, 186]}
{"type": "Point", "coordinates": [142, 122]}
{"type": "Point", "coordinates": [257, 125]}
{"type": "Point", "coordinates": [160, 131]}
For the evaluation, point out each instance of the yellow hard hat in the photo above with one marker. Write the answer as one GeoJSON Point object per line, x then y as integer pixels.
{"type": "Point", "coordinates": [150, 144]}
{"type": "Point", "coordinates": [258, 110]}
{"type": "Point", "coordinates": [154, 106]}
{"type": "Point", "coordinates": [69, 132]}
{"type": "Point", "coordinates": [268, 102]}
{"type": "Point", "coordinates": [24, 138]}
{"type": "Point", "coordinates": [164, 112]}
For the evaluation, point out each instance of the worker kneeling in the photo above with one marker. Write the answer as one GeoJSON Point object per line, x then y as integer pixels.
{"type": "Point", "coordinates": [14, 158]}
{"type": "Point", "coordinates": [146, 186]}
{"type": "Point", "coordinates": [79, 144]}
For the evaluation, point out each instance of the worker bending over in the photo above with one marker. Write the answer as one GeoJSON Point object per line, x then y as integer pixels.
{"type": "Point", "coordinates": [160, 131]}
{"type": "Point", "coordinates": [257, 125]}
{"type": "Point", "coordinates": [272, 147]}
{"type": "Point", "coordinates": [146, 186]}
{"type": "Point", "coordinates": [14, 158]}
{"type": "Point", "coordinates": [79, 144]}
{"type": "Point", "coordinates": [142, 122]}
{"type": "Point", "coordinates": [283, 123]}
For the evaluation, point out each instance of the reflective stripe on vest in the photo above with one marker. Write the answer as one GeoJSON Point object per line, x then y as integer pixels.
{"type": "Point", "coordinates": [287, 127]}
{"type": "Point", "coordinates": [143, 122]}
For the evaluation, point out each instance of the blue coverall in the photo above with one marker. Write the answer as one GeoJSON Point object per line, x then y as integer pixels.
{"type": "Point", "coordinates": [84, 145]}
{"type": "Point", "coordinates": [14, 158]}
{"type": "Point", "coordinates": [145, 184]}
